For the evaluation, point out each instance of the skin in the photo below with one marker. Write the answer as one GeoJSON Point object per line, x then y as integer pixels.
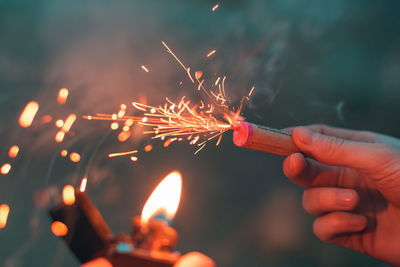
{"type": "Point", "coordinates": [352, 186]}
{"type": "Point", "coordinates": [192, 259]}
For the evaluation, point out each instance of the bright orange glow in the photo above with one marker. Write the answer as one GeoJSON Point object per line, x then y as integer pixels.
{"type": "Point", "coordinates": [75, 157]}
{"type": "Point", "coordinates": [59, 229]}
{"type": "Point", "coordinates": [5, 169]}
{"type": "Point", "coordinates": [215, 7]}
{"type": "Point", "coordinates": [68, 195]}
{"type": "Point", "coordinates": [122, 153]}
{"type": "Point", "coordinates": [59, 123]}
{"type": "Point", "coordinates": [198, 74]}
{"type": "Point", "coordinates": [4, 211]}
{"type": "Point", "coordinates": [134, 158]}
{"type": "Point", "coordinates": [124, 135]}
{"type": "Point", "coordinates": [64, 153]}
{"type": "Point", "coordinates": [62, 96]}
{"type": "Point", "coordinates": [59, 136]}
{"type": "Point", "coordinates": [82, 188]}
{"type": "Point", "coordinates": [68, 123]}
{"type": "Point", "coordinates": [13, 152]}
{"type": "Point", "coordinates": [145, 69]}
{"type": "Point", "coordinates": [46, 119]}
{"type": "Point", "coordinates": [148, 148]}
{"type": "Point", "coordinates": [28, 114]}
{"type": "Point", "coordinates": [164, 199]}
{"type": "Point", "coordinates": [211, 53]}
{"type": "Point", "coordinates": [123, 106]}
{"type": "Point", "coordinates": [114, 125]}
{"type": "Point", "coordinates": [125, 128]}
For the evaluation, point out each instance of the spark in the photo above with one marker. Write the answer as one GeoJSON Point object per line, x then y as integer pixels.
{"type": "Point", "coordinates": [114, 125]}
{"type": "Point", "coordinates": [68, 123]}
{"type": "Point", "coordinates": [134, 158]}
{"type": "Point", "coordinates": [215, 7]}
{"type": "Point", "coordinates": [28, 114]}
{"type": "Point", "coordinates": [144, 68]}
{"type": "Point", "coordinates": [4, 211]}
{"type": "Point", "coordinates": [59, 123]}
{"type": "Point", "coordinates": [46, 119]}
{"type": "Point", "coordinates": [13, 151]}
{"type": "Point", "coordinates": [59, 229]}
{"type": "Point", "coordinates": [5, 169]}
{"type": "Point", "coordinates": [211, 53]}
{"type": "Point", "coordinates": [68, 195]}
{"type": "Point", "coordinates": [82, 188]}
{"type": "Point", "coordinates": [75, 157]}
{"type": "Point", "coordinates": [124, 135]}
{"type": "Point", "coordinates": [148, 148]}
{"type": "Point", "coordinates": [64, 153]}
{"type": "Point", "coordinates": [251, 91]}
{"type": "Point", "coordinates": [112, 155]}
{"type": "Point", "coordinates": [62, 96]}
{"type": "Point", "coordinates": [59, 136]}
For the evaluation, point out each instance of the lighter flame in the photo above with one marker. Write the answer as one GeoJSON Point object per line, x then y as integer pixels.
{"type": "Point", "coordinates": [164, 199]}
{"type": "Point", "coordinates": [28, 114]}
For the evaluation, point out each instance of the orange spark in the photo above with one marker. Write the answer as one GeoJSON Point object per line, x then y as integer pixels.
{"type": "Point", "coordinates": [4, 211]}
{"type": "Point", "coordinates": [68, 123]}
{"type": "Point", "coordinates": [134, 158]}
{"type": "Point", "coordinates": [198, 74]}
{"type": "Point", "coordinates": [62, 96]}
{"type": "Point", "coordinates": [28, 114]}
{"type": "Point", "coordinates": [59, 123]}
{"type": "Point", "coordinates": [123, 106]}
{"type": "Point", "coordinates": [64, 153]}
{"type": "Point", "coordinates": [5, 169]}
{"type": "Point", "coordinates": [112, 155]}
{"type": "Point", "coordinates": [211, 53]}
{"type": "Point", "coordinates": [59, 229]}
{"type": "Point", "coordinates": [75, 157]}
{"type": "Point", "coordinates": [251, 91]}
{"type": "Point", "coordinates": [59, 136]}
{"type": "Point", "coordinates": [145, 69]}
{"type": "Point", "coordinates": [68, 195]}
{"type": "Point", "coordinates": [124, 135]}
{"type": "Point", "coordinates": [13, 151]}
{"type": "Point", "coordinates": [46, 119]}
{"type": "Point", "coordinates": [215, 7]}
{"type": "Point", "coordinates": [82, 188]}
{"type": "Point", "coordinates": [148, 148]}
{"type": "Point", "coordinates": [114, 125]}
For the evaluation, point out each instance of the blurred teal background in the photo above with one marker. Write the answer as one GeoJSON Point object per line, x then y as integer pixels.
{"type": "Point", "coordinates": [333, 62]}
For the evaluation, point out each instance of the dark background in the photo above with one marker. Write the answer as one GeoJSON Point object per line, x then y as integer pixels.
{"type": "Point", "coordinates": [333, 62]}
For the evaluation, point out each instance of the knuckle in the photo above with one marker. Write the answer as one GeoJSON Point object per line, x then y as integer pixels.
{"type": "Point", "coordinates": [330, 146]}
{"type": "Point", "coordinates": [318, 229]}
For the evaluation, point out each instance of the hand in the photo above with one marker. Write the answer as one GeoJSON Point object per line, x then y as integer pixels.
{"type": "Point", "coordinates": [352, 182]}
{"type": "Point", "coordinates": [192, 259]}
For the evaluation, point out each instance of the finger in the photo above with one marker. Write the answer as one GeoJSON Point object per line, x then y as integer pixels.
{"type": "Point", "coordinates": [306, 172]}
{"type": "Point", "coordinates": [336, 151]}
{"type": "Point", "coordinates": [195, 259]}
{"type": "Point", "coordinates": [329, 226]}
{"type": "Point", "coordinates": [317, 201]}
{"type": "Point", "coordinates": [351, 135]}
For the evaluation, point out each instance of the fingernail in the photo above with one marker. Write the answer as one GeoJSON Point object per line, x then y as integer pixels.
{"type": "Point", "coordinates": [345, 198]}
{"type": "Point", "coordinates": [358, 221]}
{"type": "Point", "coordinates": [304, 135]}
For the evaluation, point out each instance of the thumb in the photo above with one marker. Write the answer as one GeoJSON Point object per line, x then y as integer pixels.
{"type": "Point", "coordinates": [332, 150]}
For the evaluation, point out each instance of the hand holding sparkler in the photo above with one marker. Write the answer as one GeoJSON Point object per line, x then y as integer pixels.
{"type": "Point", "coordinates": [353, 186]}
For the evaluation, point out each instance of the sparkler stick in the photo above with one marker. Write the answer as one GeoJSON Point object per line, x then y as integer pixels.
{"type": "Point", "coordinates": [264, 139]}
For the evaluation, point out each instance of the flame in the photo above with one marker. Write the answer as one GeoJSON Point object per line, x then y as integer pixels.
{"type": "Point", "coordinates": [62, 96]}
{"type": "Point", "coordinates": [68, 195]}
{"type": "Point", "coordinates": [4, 211]}
{"type": "Point", "coordinates": [28, 114]}
{"type": "Point", "coordinates": [59, 229]}
{"type": "Point", "coordinates": [164, 199]}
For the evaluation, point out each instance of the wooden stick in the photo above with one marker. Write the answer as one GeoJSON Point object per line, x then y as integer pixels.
{"type": "Point", "coordinates": [262, 138]}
